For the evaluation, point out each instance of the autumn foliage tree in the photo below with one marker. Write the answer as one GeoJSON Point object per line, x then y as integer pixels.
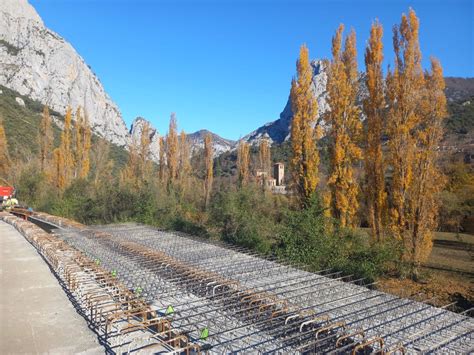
{"type": "Point", "coordinates": [243, 162]}
{"type": "Point", "coordinates": [4, 156]}
{"type": "Point", "coordinates": [45, 138]}
{"type": "Point", "coordinates": [58, 176]}
{"type": "Point", "coordinates": [304, 131]}
{"type": "Point", "coordinates": [417, 106]}
{"type": "Point", "coordinates": [422, 198]}
{"type": "Point", "coordinates": [82, 134]}
{"type": "Point", "coordinates": [63, 156]}
{"type": "Point", "coordinates": [374, 106]}
{"type": "Point", "coordinates": [145, 167]}
{"type": "Point", "coordinates": [162, 160]}
{"type": "Point", "coordinates": [209, 163]}
{"type": "Point", "coordinates": [404, 87]}
{"type": "Point", "coordinates": [184, 161]}
{"type": "Point", "coordinates": [103, 165]}
{"type": "Point", "coordinates": [138, 167]}
{"type": "Point", "coordinates": [264, 156]}
{"type": "Point", "coordinates": [129, 173]}
{"type": "Point", "coordinates": [343, 117]}
{"type": "Point", "coordinates": [172, 152]}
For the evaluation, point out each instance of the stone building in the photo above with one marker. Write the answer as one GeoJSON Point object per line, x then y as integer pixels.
{"type": "Point", "coordinates": [275, 183]}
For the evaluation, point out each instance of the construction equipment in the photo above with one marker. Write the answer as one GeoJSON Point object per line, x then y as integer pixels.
{"type": "Point", "coordinates": [7, 195]}
{"type": "Point", "coordinates": [6, 190]}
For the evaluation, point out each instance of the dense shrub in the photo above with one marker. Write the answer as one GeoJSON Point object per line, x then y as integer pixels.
{"type": "Point", "coordinates": [310, 238]}
{"type": "Point", "coordinates": [245, 217]}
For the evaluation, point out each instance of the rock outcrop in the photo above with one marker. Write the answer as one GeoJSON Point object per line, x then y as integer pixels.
{"type": "Point", "coordinates": [136, 133]}
{"type": "Point", "coordinates": [40, 64]}
{"type": "Point", "coordinates": [279, 131]}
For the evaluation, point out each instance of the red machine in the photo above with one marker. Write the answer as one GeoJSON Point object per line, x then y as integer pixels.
{"type": "Point", "coordinates": [6, 191]}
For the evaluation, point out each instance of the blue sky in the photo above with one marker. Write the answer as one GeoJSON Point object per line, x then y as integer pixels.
{"type": "Point", "coordinates": [227, 65]}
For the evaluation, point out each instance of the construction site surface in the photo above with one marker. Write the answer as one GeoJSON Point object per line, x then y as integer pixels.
{"type": "Point", "coordinates": [144, 290]}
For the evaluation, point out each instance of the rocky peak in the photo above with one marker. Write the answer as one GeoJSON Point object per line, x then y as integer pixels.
{"type": "Point", "coordinates": [38, 63]}
{"type": "Point", "coordinates": [279, 131]}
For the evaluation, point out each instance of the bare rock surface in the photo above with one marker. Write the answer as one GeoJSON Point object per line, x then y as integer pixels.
{"type": "Point", "coordinates": [39, 63]}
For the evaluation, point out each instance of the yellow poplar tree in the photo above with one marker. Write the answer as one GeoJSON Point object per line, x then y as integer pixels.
{"type": "Point", "coordinates": [184, 161]}
{"type": "Point", "coordinates": [304, 131]}
{"type": "Point", "coordinates": [343, 117]}
{"type": "Point", "coordinates": [4, 156]}
{"type": "Point", "coordinates": [129, 173]}
{"type": "Point", "coordinates": [103, 165]}
{"type": "Point", "coordinates": [172, 150]}
{"type": "Point", "coordinates": [78, 145]}
{"type": "Point", "coordinates": [64, 159]}
{"type": "Point", "coordinates": [82, 145]}
{"type": "Point", "coordinates": [404, 93]}
{"type": "Point", "coordinates": [264, 156]}
{"type": "Point", "coordinates": [87, 147]}
{"type": "Point", "coordinates": [58, 175]}
{"type": "Point", "coordinates": [162, 160]}
{"type": "Point", "coordinates": [144, 163]}
{"type": "Point", "coordinates": [45, 141]}
{"type": "Point", "coordinates": [422, 202]}
{"type": "Point", "coordinates": [243, 162]}
{"type": "Point", "coordinates": [138, 166]}
{"type": "Point", "coordinates": [374, 106]}
{"type": "Point", "coordinates": [209, 161]}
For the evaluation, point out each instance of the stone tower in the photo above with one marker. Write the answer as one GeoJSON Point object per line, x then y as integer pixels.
{"type": "Point", "coordinates": [279, 173]}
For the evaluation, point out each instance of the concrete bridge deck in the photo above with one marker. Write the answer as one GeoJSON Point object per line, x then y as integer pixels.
{"type": "Point", "coordinates": [36, 316]}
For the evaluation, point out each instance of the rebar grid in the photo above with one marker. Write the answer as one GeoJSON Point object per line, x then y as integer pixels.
{"type": "Point", "coordinates": [251, 304]}
{"type": "Point", "coordinates": [118, 316]}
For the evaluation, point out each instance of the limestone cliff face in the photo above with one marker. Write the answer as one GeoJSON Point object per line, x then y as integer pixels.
{"type": "Point", "coordinates": [279, 131]}
{"type": "Point", "coordinates": [39, 63]}
{"type": "Point", "coordinates": [136, 134]}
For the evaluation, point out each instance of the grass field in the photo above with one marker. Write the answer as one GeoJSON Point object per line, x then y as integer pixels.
{"type": "Point", "coordinates": [447, 276]}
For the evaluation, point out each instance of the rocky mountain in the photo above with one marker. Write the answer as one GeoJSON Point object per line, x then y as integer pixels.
{"type": "Point", "coordinates": [457, 89]}
{"type": "Point", "coordinates": [196, 139]}
{"type": "Point", "coordinates": [278, 131]}
{"type": "Point", "coordinates": [40, 64]}
{"type": "Point", "coordinates": [220, 144]}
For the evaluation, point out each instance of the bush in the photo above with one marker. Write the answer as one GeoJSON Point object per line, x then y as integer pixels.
{"type": "Point", "coordinates": [310, 238]}
{"type": "Point", "coordinates": [245, 217]}
{"type": "Point", "coordinates": [77, 203]}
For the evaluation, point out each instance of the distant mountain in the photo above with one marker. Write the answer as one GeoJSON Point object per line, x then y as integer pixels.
{"type": "Point", "coordinates": [220, 144]}
{"type": "Point", "coordinates": [38, 63]}
{"type": "Point", "coordinates": [459, 89]}
{"type": "Point", "coordinates": [196, 139]}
